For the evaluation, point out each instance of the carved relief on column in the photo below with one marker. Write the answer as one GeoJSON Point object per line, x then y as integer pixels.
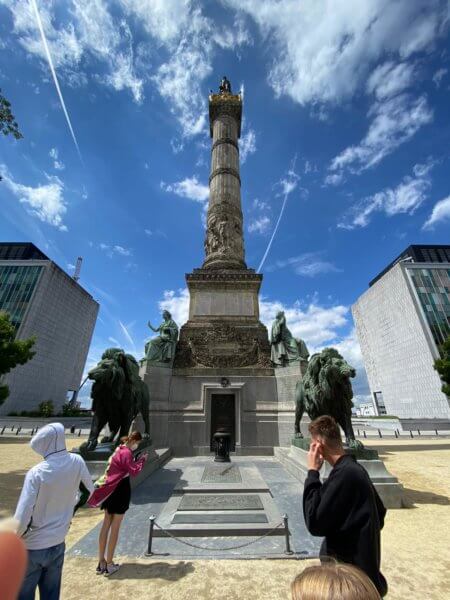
{"type": "Point", "coordinates": [224, 237]}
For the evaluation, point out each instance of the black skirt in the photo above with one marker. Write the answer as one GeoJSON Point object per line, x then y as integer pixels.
{"type": "Point", "coordinates": [119, 501]}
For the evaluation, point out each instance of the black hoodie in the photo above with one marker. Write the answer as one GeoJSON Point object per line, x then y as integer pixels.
{"type": "Point", "coordinates": [349, 513]}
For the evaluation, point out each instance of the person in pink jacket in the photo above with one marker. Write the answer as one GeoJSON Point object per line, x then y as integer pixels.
{"type": "Point", "coordinates": [112, 494]}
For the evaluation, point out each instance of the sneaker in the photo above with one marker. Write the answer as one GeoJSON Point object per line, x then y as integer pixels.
{"type": "Point", "coordinates": [101, 568]}
{"type": "Point", "coordinates": [111, 568]}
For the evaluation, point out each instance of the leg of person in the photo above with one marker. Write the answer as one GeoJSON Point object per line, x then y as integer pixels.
{"type": "Point", "coordinates": [102, 541]}
{"type": "Point", "coordinates": [32, 575]}
{"type": "Point", "coordinates": [112, 542]}
{"type": "Point", "coordinates": [50, 581]}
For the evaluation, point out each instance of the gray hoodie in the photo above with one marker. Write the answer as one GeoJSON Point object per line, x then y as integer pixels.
{"type": "Point", "coordinates": [49, 493]}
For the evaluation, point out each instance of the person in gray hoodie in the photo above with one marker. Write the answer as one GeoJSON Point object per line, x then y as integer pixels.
{"type": "Point", "coordinates": [45, 510]}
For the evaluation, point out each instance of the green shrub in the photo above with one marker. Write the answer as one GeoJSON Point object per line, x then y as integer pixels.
{"type": "Point", "coordinates": [13, 413]}
{"type": "Point", "coordinates": [69, 411]}
{"type": "Point", "coordinates": [46, 409]}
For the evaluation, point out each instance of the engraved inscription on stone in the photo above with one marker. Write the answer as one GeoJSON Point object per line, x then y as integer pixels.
{"type": "Point", "coordinates": [224, 303]}
{"type": "Point", "coordinates": [221, 474]}
{"type": "Point", "coordinates": [211, 518]}
{"type": "Point", "coordinates": [220, 502]}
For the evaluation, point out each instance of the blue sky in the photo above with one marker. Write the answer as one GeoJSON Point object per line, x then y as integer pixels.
{"type": "Point", "coordinates": [346, 117]}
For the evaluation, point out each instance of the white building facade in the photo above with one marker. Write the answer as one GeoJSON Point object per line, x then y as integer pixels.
{"type": "Point", "coordinates": [400, 321]}
{"type": "Point", "coordinates": [45, 302]}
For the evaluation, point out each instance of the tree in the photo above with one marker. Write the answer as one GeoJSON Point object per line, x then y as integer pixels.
{"type": "Point", "coordinates": [8, 124]}
{"type": "Point", "coordinates": [12, 352]}
{"type": "Point", "coordinates": [442, 366]}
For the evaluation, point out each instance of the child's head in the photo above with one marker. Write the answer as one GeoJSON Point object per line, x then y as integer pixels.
{"type": "Point", "coordinates": [332, 580]}
{"type": "Point", "coordinates": [132, 440]}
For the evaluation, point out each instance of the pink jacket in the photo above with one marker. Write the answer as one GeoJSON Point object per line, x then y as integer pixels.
{"type": "Point", "coordinates": [120, 465]}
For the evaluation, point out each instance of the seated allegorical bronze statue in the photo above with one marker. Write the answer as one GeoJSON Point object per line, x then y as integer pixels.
{"type": "Point", "coordinates": [161, 349]}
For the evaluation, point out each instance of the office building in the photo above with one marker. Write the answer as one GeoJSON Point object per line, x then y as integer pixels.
{"type": "Point", "coordinates": [401, 321]}
{"type": "Point", "coordinates": [45, 302]}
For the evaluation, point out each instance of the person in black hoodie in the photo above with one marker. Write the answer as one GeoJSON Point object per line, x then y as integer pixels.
{"type": "Point", "coordinates": [346, 510]}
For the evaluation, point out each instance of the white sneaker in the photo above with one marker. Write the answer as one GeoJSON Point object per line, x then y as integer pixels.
{"type": "Point", "coordinates": [111, 568]}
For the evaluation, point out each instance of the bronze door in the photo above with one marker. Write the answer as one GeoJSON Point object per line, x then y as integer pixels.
{"type": "Point", "coordinates": [223, 416]}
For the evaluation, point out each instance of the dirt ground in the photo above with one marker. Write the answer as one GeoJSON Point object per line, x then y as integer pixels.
{"type": "Point", "coordinates": [415, 541]}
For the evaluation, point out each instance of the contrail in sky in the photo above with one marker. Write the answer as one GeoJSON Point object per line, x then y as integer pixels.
{"type": "Point", "coordinates": [127, 334]}
{"type": "Point", "coordinates": [289, 186]}
{"type": "Point", "coordinates": [55, 78]}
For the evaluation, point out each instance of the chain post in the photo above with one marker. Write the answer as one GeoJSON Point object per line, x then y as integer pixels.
{"type": "Point", "coordinates": [287, 534]}
{"type": "Point", "coordinates": [150, 536]}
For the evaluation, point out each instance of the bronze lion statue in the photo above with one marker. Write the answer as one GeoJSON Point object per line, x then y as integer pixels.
{"type": "Point", "coordinates": [118, 395]}
{"type": "Point", "coordinates": [326, 389]}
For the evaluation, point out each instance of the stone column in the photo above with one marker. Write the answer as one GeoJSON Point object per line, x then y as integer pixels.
{"type": "Point", "coordinates": [224, 243]}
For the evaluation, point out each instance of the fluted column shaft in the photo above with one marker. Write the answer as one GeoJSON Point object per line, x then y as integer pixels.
{"type": "Point", "coordinates": [224, 245]}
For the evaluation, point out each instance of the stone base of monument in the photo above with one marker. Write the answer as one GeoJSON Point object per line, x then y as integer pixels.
{"type": "Point", "coordinates": [97, 460]}
{"type": "Point", "coordinates": [220, 500]}
{"type": "Point", "coordinates": [294, 460]}
{"type": "Point", "coordinates": [183, 408]}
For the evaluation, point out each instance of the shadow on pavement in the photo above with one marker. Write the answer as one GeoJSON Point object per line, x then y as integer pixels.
{"type": "Point", "coordinates": [413, 497]}
{"type": "Point", "coordinates": [155, 570]}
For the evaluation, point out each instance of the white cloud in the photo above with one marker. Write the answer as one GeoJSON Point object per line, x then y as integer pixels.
{"type": "Point", "coordinates": [388, 79]}
{"type": "Point", "coordinates": [191, 45]}
{"type": "Point", "coordinates": [438, 76]}
{"type": "Point", "coordinates": [439, 214]}
{"type": "Point", "coordinates": [122, 251]}
{"type": "Point", "coordinates": [91, 34]}
{"type": "Point", "coordinates": [395, 121]}
{"type": "Point", "coordinates": [334, 178]}
{"type": "Point", "coordinates": [258, 204]}
{"type": "Point", "coordinates": [57, 164]}
{"type": "Point", "coordinates": [176, 145]}
{"type": "Point", "coordinates": [45, 201]}
{"type": "Point", "coordinates": [309, 264]}
{"type": "Point", "coordinates": [247, 145]}
{"type": "Point", "coordinates": [318, 325]}
{"type": "Point", "coordinates": [349, 347]}
{"type": "Point", "coordinates": [177, 304]}
{"type": "Point", "coordinates": [405, 198]}
{"type": "Point", "coordinates": [260, 225]}
{"type": "Point", "coordinates": [179, 83]}
{"type": "Point", "coordinates": [160, 18]}
{"type": "Point", "coordinates": [289, 182]}
{"type": "Point", "coordinates": [324, 51]}
{"type": "Point", "coordinates": [112, 250]}
{"type": "Point", "coordinates": [189, 188]}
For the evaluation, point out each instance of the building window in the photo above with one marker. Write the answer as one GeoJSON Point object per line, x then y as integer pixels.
{"type": "Point", "coordinates": [379, 403]}
{"type": "Point", "coordinates": [16, 288]}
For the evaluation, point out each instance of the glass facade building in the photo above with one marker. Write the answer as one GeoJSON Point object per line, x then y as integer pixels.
{"type": "Point", "coordinates": [402, 321]}
{"type": "Point", "coordinates": [17, 284]}
{"type": "Point", "coordinates": [432, 286]}
{"type": "Point", "coordinates": [44, 302]}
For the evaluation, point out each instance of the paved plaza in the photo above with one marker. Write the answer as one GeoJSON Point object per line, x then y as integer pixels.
{"type": "Point", "coordinates": [415, 544]}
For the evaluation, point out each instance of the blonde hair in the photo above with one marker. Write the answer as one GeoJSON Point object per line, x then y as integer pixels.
{"type": "Point", "coordinates": [332, 580]}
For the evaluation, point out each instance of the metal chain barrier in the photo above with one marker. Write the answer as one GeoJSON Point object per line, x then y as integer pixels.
{"type": "Point", "coordinates": [283, 523]}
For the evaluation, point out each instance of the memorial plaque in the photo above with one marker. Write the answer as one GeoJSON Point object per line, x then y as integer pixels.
{"type": "Point", "coordinates": [209, 518]}
{"type": "Point", "coordinates": [220, 502]}
{"type": "Point", "coordinates": [221, 474]}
